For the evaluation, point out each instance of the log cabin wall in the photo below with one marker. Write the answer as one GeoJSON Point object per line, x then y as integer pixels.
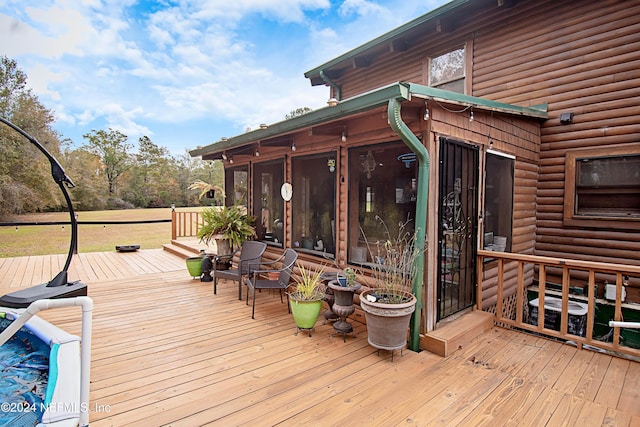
{"type": "Point", "coordinates": [587, 64]}
{"type": "Point", "coordinates": [582, 60]}
{"type": "Point", "coordinates": [507, 134]}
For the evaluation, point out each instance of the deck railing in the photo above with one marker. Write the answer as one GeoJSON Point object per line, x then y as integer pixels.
{"type": "Point", "coordinates": [514, 276]}
{"type": "Point", "coordinates": [185, 224]}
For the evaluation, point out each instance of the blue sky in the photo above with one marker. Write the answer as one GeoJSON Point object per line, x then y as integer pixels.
{"type": "Point", "coordinates": [185, 72]}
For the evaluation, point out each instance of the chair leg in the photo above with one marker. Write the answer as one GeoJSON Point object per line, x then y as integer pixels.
{"type": "Point", "coordinates": [215, 285]}
{"type": "Point", "coordinates": [240, 289]}
{"type": "Point", "coordinates": [253, 306]}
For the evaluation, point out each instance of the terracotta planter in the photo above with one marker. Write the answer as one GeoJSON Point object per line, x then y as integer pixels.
{"type": "Point", "coordinates": [387, 324]}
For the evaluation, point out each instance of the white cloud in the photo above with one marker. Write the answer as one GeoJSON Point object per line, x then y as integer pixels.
{"type": "Point", "coordinates": [120, 119]}
{"type": "Point", "coordinates": [361, 8]}
{"type": "Point", "coordinates": [138, 68]}
{"type": "Point", "coordinates": [281, 10]}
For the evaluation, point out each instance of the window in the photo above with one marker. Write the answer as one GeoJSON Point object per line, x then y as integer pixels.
{"type": "Point", "coordinates": [602, 187]}
{"type": "Point", "coordinates": [498, 201]}
{"type": "Point", "coordinates": [382, 182]}
{"type": "Point", "coordinates": [447, 71]}
{"type": "Point", "coordinates": [268, 206]}
{"type": "Point", "coordinates": [236, 186]}
{"type": "Point", "coordinates": [314, 203]}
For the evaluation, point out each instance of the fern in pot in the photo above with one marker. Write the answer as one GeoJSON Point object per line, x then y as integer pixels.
{"type": "Point", "coordinates": [228, 226]}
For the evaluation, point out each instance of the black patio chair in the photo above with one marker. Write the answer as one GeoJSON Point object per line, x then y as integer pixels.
{"type": "Point", "coordinates": [256, 282]}
{"type": "Point", "coordinates": [250, 257]}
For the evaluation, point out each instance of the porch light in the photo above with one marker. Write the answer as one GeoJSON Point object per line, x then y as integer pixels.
{"type": "Point", "coordinates": [230, 160]}
{"type": "Point", "coordinates": [332, 102]}
{"type": "Point", "coordinates": [224, 156]}
{"type": "Point", "coordinates": [293, 146]}
{"type": "Point", "coordinates": [426, 111]}
{"type": "Point", "coordinates": [344, 135]}
{"type": "Point", "coordinates": [471, 115]}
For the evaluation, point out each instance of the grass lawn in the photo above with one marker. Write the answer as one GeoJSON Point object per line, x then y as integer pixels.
{"type": "Point", "coordinates": [55, 239]}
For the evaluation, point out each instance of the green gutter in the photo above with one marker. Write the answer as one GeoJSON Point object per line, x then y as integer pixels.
{"type": "Point", "coordinates": [355, 105]}
{"type": "Point", "coordinates": [415, 145]}
{"type": "Point", "coordinates": [331, 83]}
{"type": "Point", "coordinates": [445, 96]}
{"type": "Point", "coordinates": [364, 102]}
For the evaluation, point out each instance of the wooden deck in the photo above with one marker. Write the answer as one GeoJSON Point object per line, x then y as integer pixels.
{"type": "Point", "coordinates": [166, 351]}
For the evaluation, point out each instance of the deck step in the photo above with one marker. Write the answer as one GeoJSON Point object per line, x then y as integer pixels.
{"type": "Point", "coordinates": [454, 335]}
{"type": "Point", "coordinates": [180, 250]}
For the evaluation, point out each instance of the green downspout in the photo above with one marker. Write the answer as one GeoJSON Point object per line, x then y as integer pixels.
{"type": "Point", "coordinates": [336, 87]}
{"type": "Point", "coordinates": [399, 127]}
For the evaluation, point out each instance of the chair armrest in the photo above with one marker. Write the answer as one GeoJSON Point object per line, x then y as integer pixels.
{"type": "Point", "coordinates": [225, 256]}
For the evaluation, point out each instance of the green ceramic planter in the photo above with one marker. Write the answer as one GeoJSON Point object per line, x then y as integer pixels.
{"type": "Point", "coordinates": [194, 266]}
{"type": "Point", "coordinates": [305, 313]}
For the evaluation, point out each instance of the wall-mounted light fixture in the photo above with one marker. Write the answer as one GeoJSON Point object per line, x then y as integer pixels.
{"type": "Point", "coordinates": [257, 152]}
{"type": "Point", "coordinates": [332, 102]}
{"type": "Point", "coordinates": [471, 115]}
{"type": "Point", "coordinates": [230, 160]}
{"type": "Point", "coordinates": [566, 118]}
{"type": "Point", "coordinates": [224, 156]}
{"type": "Point", "coordinates": [344, 134]}
{"type": "Point", "coordinates": [426, 111]}
{"type": "Point", "coordinates": [293, 146]}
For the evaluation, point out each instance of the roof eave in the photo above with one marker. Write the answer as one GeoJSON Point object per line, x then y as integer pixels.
{"type": "Point", "coordinates": [357, 104]}
{"type": "Point", "coordinates": [434, 14]}
{"type": "Point", "coordinates": [445, 96]}
{"type": "Point", "coordinates": [365, 102]}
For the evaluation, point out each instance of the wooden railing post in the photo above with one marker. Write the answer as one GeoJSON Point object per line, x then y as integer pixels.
{"type": "Point", "coordinates": [174, 233]}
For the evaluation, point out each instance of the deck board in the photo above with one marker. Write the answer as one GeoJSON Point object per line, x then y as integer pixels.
{"type": "Point", "coordinates": [166, 351]}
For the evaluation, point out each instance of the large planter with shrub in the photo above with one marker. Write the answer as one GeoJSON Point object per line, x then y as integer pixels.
{"type": "Point", "coordinates": [387, 322]}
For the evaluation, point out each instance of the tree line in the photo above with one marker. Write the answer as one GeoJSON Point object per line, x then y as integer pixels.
{"type": "Point", "coordinates": [109, 172]}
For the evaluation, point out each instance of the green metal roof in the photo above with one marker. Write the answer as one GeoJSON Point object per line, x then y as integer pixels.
{"type": "Point", "coordinates": [365, 102]}
{"type": "Point", "coordinates": [387, 37]}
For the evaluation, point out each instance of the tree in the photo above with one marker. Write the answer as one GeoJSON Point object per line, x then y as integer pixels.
{"type": "Point", "coordinates": [150, 179]}
{"type": "Point", "coordinates": [12, 85]}
{"type": "Point", "coordinates": [25, 174]}
{"type": "Point", "coordinates": [83, 168]}
{"type": "Point", "coordinates": [112, 148]}
{"type": "Point", "coordinates": [298, 112]}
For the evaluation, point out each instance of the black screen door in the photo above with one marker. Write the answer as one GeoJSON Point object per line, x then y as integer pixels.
{"type": "Point", "coordinates": [457, 226]}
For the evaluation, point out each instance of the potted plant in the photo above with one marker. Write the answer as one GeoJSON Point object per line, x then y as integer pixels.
{"type": "Point", "coordinates": [228, 226]}
{"type": "Point", "coordinates": [388, 306]}
{"type": "Point", "coordinates": [306, 298]}
{"type": "Point", "coordinates": [194, 266]}
{"type": "Point", "coordinates": [347, 278]}
{"type": "Point", "coordinates": [343, 290]}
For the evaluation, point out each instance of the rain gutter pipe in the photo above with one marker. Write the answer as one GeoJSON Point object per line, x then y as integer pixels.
{"type": "Point", "coordinates": [331, 83]}
{"type": "Point", "coordinates": [415, 145]}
